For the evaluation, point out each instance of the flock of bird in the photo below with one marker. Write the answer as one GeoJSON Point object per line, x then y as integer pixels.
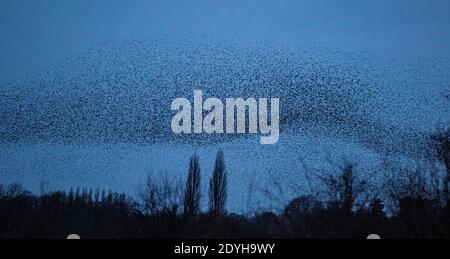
{"type": "Point", "coordinates": [121, 91]}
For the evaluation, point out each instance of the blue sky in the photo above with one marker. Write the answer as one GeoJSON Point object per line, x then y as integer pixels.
{"type": "Point", "coordinates": [35, 33]}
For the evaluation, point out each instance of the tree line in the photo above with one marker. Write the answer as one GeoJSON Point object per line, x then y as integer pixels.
{"type": "Point", "coordinates": [166, 209]}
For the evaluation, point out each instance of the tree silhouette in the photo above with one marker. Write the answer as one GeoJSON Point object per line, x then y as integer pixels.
{"type": "Point", "coordinates": [218, 186]}
{"type": "Point", "coordinates": [442, 144]}
{"type": "Point", "coordinates": [192, 193]}
{"type": "Point", "coordinates": [344, 188]}
{"type": "Point", "coordinates": [348, 191]}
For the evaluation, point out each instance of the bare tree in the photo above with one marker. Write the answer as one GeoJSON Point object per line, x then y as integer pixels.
{"type": "Point", "coordinates": [161, 195]}
{"type": "Point", "coordinates": [344, 188]}
{"type": "Point", "coordinates": [192, 193]}
{"type": "Point", "coordinates": [218, 186]}
{"type": "Point", "coordinates": [442, 144]}
{"type": "Point", "coordinates": [15, 190]}
{"type": "Point", "coordinates": [348, 191]}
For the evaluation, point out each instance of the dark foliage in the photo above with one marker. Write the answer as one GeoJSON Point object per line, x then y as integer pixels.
{"type": "Point", "coordinates": [110, 215]}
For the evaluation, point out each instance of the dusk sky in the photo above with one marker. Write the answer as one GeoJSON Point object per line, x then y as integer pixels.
{"type": "Point", "coordinates": [36, 33]}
